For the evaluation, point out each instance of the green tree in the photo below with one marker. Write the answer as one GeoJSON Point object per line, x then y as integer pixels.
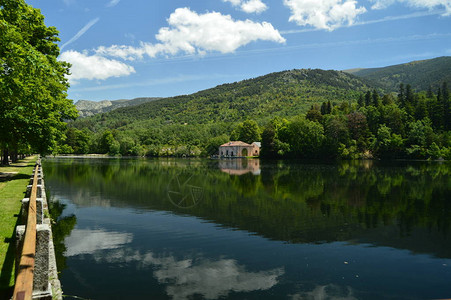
{"type": "Point", "coordinates": [376, 98]}
{"type": "Point", "coordinates": [247, 132]}
{"type": "Point", "coordinates": [314, 114]}
{"type": "Point", "coordinates": [401, 95]}
{"type": "Point", "coordinates": [213, 144]}
{"type": "Point", "coordinates": [108, 144]}
{"type": "Point", "coordinates": [305, 137]}
{"type": "Point", "coordinates": [388, 144]}
{"type": "Point", "coordinates": [368, 98]}
{"type": "Point", "coordinates": [337, 133]}
{"type": "Point", "coordinates": [358, 128]}
{"type": "Point", "coordinates": [272, 146]}
{"type": "Point", "coordinates": [78, 140]}
{"type": "Point", "coordinates": [446, 98]}
{"type": "Point", "coordinates": [33, 103]}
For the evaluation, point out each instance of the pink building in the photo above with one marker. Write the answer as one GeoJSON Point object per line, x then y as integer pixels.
{"type": "Point", "coordinates": [239, 149]}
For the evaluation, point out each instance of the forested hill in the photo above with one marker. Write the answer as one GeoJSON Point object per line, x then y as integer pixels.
{"type": "Point", "coordinates": [421, 75]}
{"type": "Point", "coordinates": [286, 93]}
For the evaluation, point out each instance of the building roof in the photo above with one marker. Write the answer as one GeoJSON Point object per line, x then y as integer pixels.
{"type": "Point", "coordinates": [235, 143]}
{"type": "Point", "coordinates": [259, 144]}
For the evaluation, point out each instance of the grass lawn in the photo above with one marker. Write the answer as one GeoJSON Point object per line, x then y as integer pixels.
{"type": "Point", "coordinates": [13, 184]}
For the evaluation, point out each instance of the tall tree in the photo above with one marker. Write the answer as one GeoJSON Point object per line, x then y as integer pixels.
{"type": "Point", "coordinates": [368, 98]}
{"type": "Point", "coordinates": [33, 98]}
{"type": "Point", "coordinates": [248, 132]}
{"type": "Point", "coordinates": [376, 98]}
{"type": "Point", "coordinates": [401, 95]}
{"type": "Point", "coordinates": [446, 106]}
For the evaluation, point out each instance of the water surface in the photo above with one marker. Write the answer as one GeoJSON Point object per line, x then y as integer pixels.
{"type": "Point", "coordinates": [248, 229]}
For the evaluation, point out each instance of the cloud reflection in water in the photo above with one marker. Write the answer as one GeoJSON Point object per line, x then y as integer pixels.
{"type": "Point", "coordinates": [200, 276]}
{"type": "Point", "coordinates": [87, 241]}
{"type": "Point", "coordinates": [330, 291]}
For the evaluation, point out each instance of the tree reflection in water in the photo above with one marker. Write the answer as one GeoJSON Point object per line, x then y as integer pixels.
{"type": "Point", "coordinates": [296, 202]}
{"type": "Point", "coordinates": [61, 228]}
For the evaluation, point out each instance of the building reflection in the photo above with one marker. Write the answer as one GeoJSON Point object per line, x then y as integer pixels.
{"type": "Point", "coordinates": [240, 166]}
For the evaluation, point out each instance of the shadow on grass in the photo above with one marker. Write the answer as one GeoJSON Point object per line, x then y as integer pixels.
{"type": "Point", "coordinates": [6, 291]}
{"type": "Point", "coordinates": [16, 177]}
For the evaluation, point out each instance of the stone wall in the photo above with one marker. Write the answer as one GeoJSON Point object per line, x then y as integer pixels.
{"type": "Point", "coordinates": [46, 284]}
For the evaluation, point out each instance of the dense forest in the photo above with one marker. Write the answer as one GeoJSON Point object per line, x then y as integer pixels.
{"type": "Point", "coordinates": [295, 114]}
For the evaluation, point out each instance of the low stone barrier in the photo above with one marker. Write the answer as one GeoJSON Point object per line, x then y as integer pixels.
{"type": "Point", "coordinates": [46, 284]}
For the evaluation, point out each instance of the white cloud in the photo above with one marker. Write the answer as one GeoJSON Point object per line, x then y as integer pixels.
{"type": "Point", "coordinates": [249, 6]}
{"type": "Point", "coordinates": [94, 66]}
{"type": "Point", "coordinates": [122, 51]}
{"type": "Point", "coordinates": [113, 3]}
{"type": "Point", "coordinates": [254, 6]}
{"type": "Point", "coordinates": [324, 14]}
{"type": "Point", "coordinates": [192, 33]}
{"type": "Point", "coordinates": [429, 4]}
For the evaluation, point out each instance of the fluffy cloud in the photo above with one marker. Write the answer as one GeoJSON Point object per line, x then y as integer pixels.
{"type": "Point", "coordinates": [250, 6]}
{"type": "Point", "coordinates": [430, 4]}
{"type": "Point", "coordinates": [192, 33]}
{"type": "Point", "coordinates": [188, 33]}
{"type": "Point", "coordinates": [324, 14]}
{"type": "Point", "coordinates": [91, 67]}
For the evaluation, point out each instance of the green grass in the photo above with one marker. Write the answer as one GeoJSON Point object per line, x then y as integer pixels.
{"type": "Point", "coordinates": [13, 185]}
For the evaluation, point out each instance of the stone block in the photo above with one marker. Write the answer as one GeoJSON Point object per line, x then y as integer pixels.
{"type": "Point", "coordinates": [20, 236]}
{"type": "Point", "coordinates": [40, 207]}
{"type": "Point", "coordinates": [41, 267]}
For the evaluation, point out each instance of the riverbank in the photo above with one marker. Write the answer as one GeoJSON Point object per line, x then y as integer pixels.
{"type": "Point", "coordinates": [13, 184]}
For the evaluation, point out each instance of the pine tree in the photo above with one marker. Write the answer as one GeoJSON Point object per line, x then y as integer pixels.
{"type": "Point", "coordinates": [446, 106]}
{"type": "Point", "coordinates": [430, 93]}
{"type": "Point", "coordinates": [324, 108]}
{"type": "Point", "coordinates": [409, 98]}
{"type": "Point", "coordinates": [361, 101]}
{"type": "Point", "coordinates": [401, 95]}
{"type": "Point", "coordinates": [368, 98]}
{"type": "Point", "coordinates": [376, 98]}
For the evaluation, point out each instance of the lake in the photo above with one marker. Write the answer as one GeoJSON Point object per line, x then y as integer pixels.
{"type": "Point", "coordinates": [251, 229]}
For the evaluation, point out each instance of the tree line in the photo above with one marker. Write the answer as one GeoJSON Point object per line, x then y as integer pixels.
{"type": "Point", "coordinates": [407, 125]}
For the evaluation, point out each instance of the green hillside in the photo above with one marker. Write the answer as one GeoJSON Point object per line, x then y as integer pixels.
{"type": "Point", "coordinates": [284, 94]}
{"type": "Point", "coordinates": [419, 74]}
{"type": "Point", "coordinates": [297, 114]}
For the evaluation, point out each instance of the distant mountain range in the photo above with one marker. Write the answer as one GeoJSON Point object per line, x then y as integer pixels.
{"type": "Point", "coordinates": [283, 93]}
{"type": "Point", "coordinates": [88, 108]}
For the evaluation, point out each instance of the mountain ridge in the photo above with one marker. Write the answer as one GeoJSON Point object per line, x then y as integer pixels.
{"type": "Point", "coordinates": [88, 108]}
{"type": "Point", "coordinates": [327, 85]}
{"type": "Point", "coordinates": [420, 74]}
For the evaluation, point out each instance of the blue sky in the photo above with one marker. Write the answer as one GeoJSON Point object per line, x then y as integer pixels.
{"type": "Point", "coordinates": [123, 49]}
